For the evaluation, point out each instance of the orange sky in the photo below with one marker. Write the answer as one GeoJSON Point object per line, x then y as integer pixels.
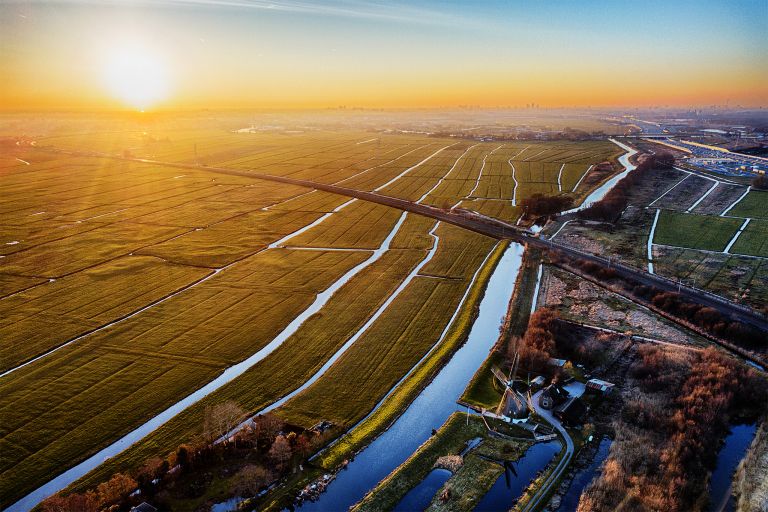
{"type": "Point", "coordinates": [210, 53]}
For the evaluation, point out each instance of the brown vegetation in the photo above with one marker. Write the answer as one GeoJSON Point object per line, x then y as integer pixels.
{"type": "Point", "coordinates": [760, 182]}
{"type": "Point", "coordinates": [669, 429]}
{"type": "Point", "coordinates": [260, 452]}
{"type": "Point", "coordinates": [616, 200]}
{"type": "Point", "coordinates": [538, 344]}
{"type": "Point", "coordinates": [540, 204]}
{"type": "Point", "coordinates": [702, 318]}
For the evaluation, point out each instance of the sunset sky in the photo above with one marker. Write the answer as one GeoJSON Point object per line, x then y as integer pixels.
{"type": "Point", "coordinates": [295, 54]}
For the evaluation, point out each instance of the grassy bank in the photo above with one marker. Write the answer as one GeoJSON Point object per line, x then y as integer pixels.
{"type": "Point", "coordinates": [467, 485]}
{"type": "Point", "coordinates": [481, 390]}
{"type": "Point", "coordinates": [404, 394]}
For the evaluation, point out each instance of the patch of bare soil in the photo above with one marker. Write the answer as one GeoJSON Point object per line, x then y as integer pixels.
{"type": "Point", "coordinates": [720, 199]}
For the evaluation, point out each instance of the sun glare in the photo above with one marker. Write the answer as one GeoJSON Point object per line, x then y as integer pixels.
{"type": "Point", "coordinates": [137, 76]}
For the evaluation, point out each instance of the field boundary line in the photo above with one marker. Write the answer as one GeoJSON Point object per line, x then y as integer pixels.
{"type": "Point", "coordinates": [670, 189]}
{"type": "Point", "coordinates": [737, 201]}
{"type": "Point", "coordinates": [582, 177]}
{"type": "Point", "coordinates": [650, 240]}
{"type": "Point", "coordinates": [736, 236]}
{"type": "Point", "coordinates": [711, 189]}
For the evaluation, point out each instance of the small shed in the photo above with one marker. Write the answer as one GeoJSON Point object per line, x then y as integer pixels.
{"type": "Point", "coordinates": [599, 387]}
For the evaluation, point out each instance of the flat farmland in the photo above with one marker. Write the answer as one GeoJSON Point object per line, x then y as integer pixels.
{"type": "Point", "coordinates": [730, 275]}
{"type": "Point", "coordinates": [361, 225]}
{"type": "Point", "coordinates": [292, 363]}
{"type": "Point", "coordinates": [166, 277]}
{"type": "Point", "coordinates": [753, 205]}
{"type": "Point", "coordinates": [753, 241]}
{"type": "Point", "coordinates": [695, 231]}
{"type": "Point", "coordinates": [42, 317]}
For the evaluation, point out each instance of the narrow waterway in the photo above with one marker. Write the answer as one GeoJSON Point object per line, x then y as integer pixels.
{"type": "Point", "coordinates": [735, 447]}
{"type": "Point", "coordinates": [421, 496]}
{"type": "Point", "coordinates": [580, 482]}
{"type": "Point", "coordinates": [435, 403]}
{"type": "Point", "coordinates": [510, 485]}
{"type": "Point", "coordinates": [71, 475]}
{"type": "Point", "coordinates": [601, 191]}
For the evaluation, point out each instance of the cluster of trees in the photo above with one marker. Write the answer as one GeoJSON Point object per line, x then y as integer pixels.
{"type": "Point", "coordinates": [616, 200]}
{"type": "Point", "coordinates": [539, 205]}
{"type": "Point", "coordinates": [116, 491]}
{"type": "Point", "coordinates": [669, 429]}
{"type": "Point", "coordinates": [760, 182]}
{"type": "Point", "coordinates": [262, 450]}
{"type": "Point", "coordinates": [705, 318]}
{"type": "Point", "coordinates": [539, 342]}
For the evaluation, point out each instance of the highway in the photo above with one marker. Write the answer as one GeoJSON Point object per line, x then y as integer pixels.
{"type": "Point", "coordinates": [488, 226]}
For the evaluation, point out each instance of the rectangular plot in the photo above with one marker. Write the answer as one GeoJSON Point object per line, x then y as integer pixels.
{"type": "Point", "coordinates": [459, 253]}
{"type": "Point", "coordinates": [754, 205]}
{"type": "Point", "coordinates": [45, 316]}
{"type": "Point", "coordinates": [361, 225]}
{"type": "Point", "coordinates": [695, 231]}
{"type": "Point", "coordinates": [753, 241]}
{"type": "Point", "coordinates": [80, 251]}
{"type": "Point", "coordinates": [232, 240]}
{"type": "Point", "coordinates": [372, 365]}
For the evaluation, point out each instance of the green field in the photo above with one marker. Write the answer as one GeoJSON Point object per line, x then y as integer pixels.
{"type": "Point", "coordinates": [754, 205]}
{"type": "Point", "coordinates": [695, 231]}
{"type": "Point", "coordinates": [91, 242]}
{"type": "Point", "coordinates": [753, 241]}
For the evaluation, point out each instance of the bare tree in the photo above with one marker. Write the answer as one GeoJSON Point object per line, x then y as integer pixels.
{"type": "Point", "coordinates": [116, 489]}
{"type": "Point", "coordinates": [280, 453]}
{"type": "Point", "coordinates": [269, 426]}
{"type": "Point", "coordinates": [249, 481]}
{"type": "Point", "coordinates": [221, 419]}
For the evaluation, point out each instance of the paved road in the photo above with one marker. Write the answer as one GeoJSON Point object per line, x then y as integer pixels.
{"type": "Point", "coordinates": [487, 226]}
{"type": "Point", "coordinates": [561, 466]}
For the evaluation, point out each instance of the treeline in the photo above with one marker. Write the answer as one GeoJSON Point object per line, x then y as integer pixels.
{"type": "Point", "coordinates": [617, 199]}
{"type": "Point", "coordinates": [669, 429]}
{"type": "Point", "coordinates": [704, 318]}
{"type": "Point", "coordinates": [255, 456]}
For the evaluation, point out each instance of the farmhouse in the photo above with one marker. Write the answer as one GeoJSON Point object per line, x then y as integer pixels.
{"type": "Point", "coordinates": [571, 411]}
{"type": "Point", "coordinates": [552, 396]}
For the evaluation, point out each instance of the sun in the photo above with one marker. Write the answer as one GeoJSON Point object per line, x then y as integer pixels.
{"type": "Point", "coordinates": [136, 76]}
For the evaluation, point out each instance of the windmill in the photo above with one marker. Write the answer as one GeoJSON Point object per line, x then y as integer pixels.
{"type": "Point", "coordinates": [512, 401]}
